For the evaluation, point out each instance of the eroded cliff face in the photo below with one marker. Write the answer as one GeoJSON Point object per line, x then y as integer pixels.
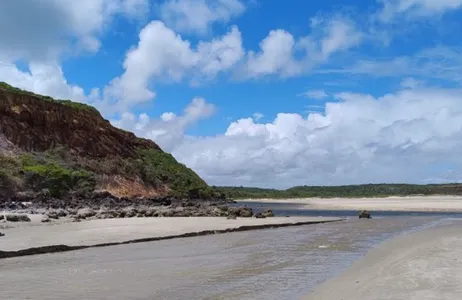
{"type": "Point", "coordinates": [33, 124]}
{"type": "Point", "coordinates": [68, 147]}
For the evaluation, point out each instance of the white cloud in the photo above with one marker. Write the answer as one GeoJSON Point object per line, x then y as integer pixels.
{"type": "Point", "coordinates": [163, 55]}
{"type": "Point", "coordinates": [46, 79]}
{"type": "Point", "coordinates": [438, 63]}
{"type": "Point", "coordinates": [42, 30]}
{"type": "Point", "coordinates": [402, 137]}
{"type": "Point", "coordinates": [169, 130]}
{"type": "Point", "coordinates": [283, 55]}
{"type": "Point", "coordinates": [339, 35]}
{"type": "Point", "coordinates": [315, 94]}
{"type": "Point", "coordinates": [257, 116]}
{"type": "Point", "coordinates": [411, 83]}
{"type": "Point", "coordinates": [393, 9]}
{"type": "Point", "coordinates": [196, 16]}
{"type": "Point", "coordinates": [276, 56]}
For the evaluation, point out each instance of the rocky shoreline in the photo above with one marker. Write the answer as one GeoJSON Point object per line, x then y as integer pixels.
{"type": "Point", "coordinates": [103, 205]}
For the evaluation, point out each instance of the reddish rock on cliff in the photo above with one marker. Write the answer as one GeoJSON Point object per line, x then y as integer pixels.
{"type": "Point", "coordinates": [37, 125]}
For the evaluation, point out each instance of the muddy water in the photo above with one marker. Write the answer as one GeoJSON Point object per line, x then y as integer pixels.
{"type": "Point", "coordinates": [280, 263]}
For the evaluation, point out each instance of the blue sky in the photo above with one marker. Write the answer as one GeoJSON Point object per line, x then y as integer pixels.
{"type": "Point", "coordinates": [261, 93]}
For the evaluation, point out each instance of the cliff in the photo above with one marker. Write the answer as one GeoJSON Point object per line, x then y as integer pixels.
{"type": "Point", "coordinates": [66, 147]}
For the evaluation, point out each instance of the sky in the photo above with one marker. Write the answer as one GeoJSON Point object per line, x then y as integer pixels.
{"type": "Point", "coordinates": [258, 92]}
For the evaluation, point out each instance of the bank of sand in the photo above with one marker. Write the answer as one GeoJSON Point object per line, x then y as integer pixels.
{"type": "Point", "coordinates": [423, 266]}
{"type": "Point", "coordinates": [412, 203]}
{"type": "Point", "coordinates": [20, 236]}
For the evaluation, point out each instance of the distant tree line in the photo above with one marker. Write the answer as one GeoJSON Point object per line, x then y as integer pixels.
{"type": "Point", "coordinates": [366, 190]}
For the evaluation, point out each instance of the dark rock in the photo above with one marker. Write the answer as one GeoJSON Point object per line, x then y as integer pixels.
{"type": "Point", "coordinates": [268, 213]}
{"type": "Point", "coordinates": [168, 213]}
{"type": "Point", "coordinates": [2, 234]}
{"type": "Point", "coordinates": [150, 212]}
{"type": "Point", "coordinates": [2, 217]}
{"type": "Point", "coordinates": [245, 212]}
{"type": "Point", "coordinates": [130, 213]}
{"type": "Point", "coordinates": [52, 215]}
{"type": "Point", "coordinates": [46, 220]}
{"type": "Point", "coordinates": [17, 218]}
{"type": "Point", "coordinates": [85, 213]}
{"type": "Point", "coordinates": [365, 215]}
{"type": "Point", "coordinates": [260, 216]}
{"type": "Point", "coordinates": [23, 196]}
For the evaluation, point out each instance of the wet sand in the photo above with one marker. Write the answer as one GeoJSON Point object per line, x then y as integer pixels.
{"type": "Point", "coordinates": [412, 203]}
{"type": "Point", "coordinates": [426, 266]}
{"type": "Point", "coordinates": [19, 236]}
{"type": "Point", "coordinates": [282, 263]}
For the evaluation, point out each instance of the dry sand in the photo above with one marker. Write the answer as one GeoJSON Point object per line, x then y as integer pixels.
{"type": "Point", "coordinates": [20, 236]}
{"type": "Point", "coordinates": [423, 266]}
{"type": "Point", "coordinates": [413, 203]}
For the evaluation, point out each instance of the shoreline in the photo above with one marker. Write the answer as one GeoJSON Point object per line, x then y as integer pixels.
{"type": "Point", "coordinates": [424, 264]}
{"type": "Point", "coordinates": [24, 240]}
{"type": "Point", "coordinates": [395, 203]}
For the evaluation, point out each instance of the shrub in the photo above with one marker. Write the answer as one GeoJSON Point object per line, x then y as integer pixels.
{"type": "Point", "coordinates": [58, 180]}
{"type": "Point", "coordinates": [157, 167]}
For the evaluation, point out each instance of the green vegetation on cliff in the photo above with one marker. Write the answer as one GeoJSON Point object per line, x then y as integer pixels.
{"type": "Point", "coordinates": [34, 172]}
{"type": "Point", "coordinates": [76, 105]}
{"type": "Point", "coordinates": [59, 173]}
{"type": "Point", "coordinates": [160, 167]}
{"type": "Point", "coordinates": [366, 190]}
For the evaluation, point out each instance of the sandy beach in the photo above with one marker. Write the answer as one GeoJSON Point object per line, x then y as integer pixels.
{"type": "Point", "coordinates": [423, 265]}
{"type": "Point", "coordinates": [412, 203]}
{"type": "Point", "coordinates": [20, 236]}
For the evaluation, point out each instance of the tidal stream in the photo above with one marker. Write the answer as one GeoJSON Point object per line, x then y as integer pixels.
{"type": "Point", "coordinates": [283, 263]}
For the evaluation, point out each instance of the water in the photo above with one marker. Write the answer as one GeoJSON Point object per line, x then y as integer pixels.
{"type": "Point", "coordinates": [295, 209]}
{"type": "Point", "coordinates": [283, 263]}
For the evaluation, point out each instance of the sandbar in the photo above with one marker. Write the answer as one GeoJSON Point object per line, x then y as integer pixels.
{"type": "Point", "coordinates": [20, 236]}
{"type": "Point", "coordinates": [426, 265]}
{"type": "Point", "coordinates": [411, 203]}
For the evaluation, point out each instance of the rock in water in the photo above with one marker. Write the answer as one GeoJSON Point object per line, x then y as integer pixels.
{"type": "Point", "coordinates": [2, 234]}
{"type": "Point", "coordinates": [260, 216]}
{"type": "Point", "coordinates": [365, 215]}
{"type": "Point", "coordinates": [268, 213]}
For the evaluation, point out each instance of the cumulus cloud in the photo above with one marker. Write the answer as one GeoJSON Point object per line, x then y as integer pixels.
{"type": "Point", "coordinates": [400, 137]}
{"type": "Point", "coordinates": [283, 55]}
{"type": "Point", "coordinates": [196, 16]}
{"type": "Point", "coordinates": [169, 130]}
{"type": "Point", "coordinates": [393, 9]}
{"type": "Point", "coordinates": [47, 79]}
{"type": "Point", "coordinates": [41, 30]}
{"type": "Point", "coordinates": [163, 55]}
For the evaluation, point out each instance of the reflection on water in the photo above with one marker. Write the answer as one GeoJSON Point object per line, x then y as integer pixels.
{"type": "Point", "coordinates": [282, 263]}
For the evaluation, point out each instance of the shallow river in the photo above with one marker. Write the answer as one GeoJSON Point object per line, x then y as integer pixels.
{"type": "Point", "coordinates": [283, 263]}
